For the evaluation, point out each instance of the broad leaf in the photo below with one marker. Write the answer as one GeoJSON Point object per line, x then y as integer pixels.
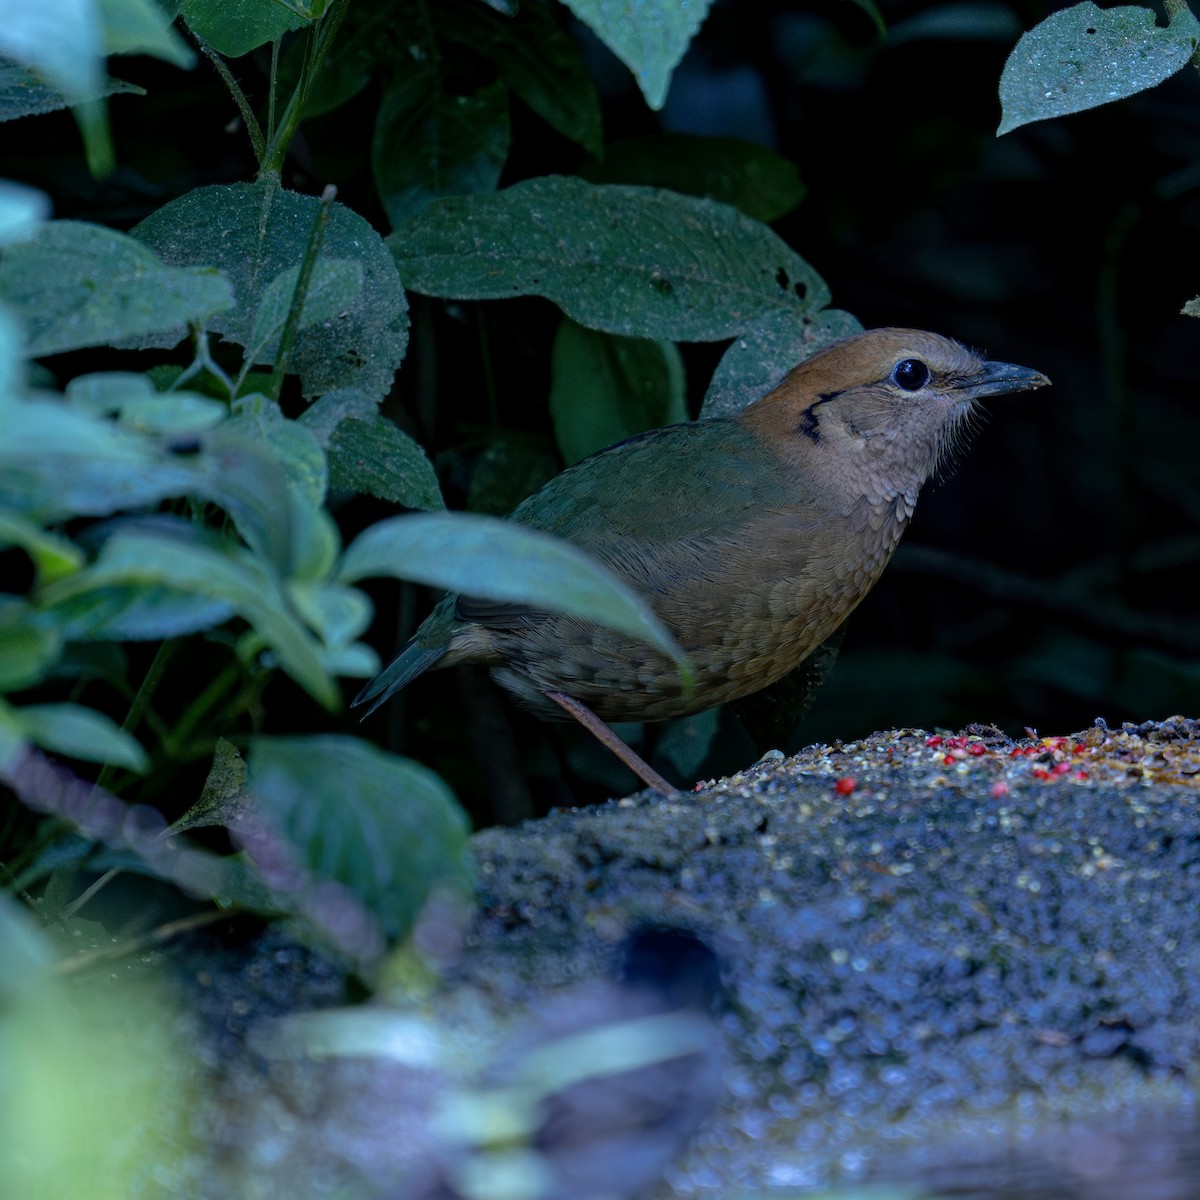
{"type": "Point", "coordinates": [384, 827]}
{"type": "Point", "coordinates": [1085, 56]}
{"type": "Point", "coordinates": [334, 286]}
{"type": "Point", "coordinates": [374, 457]}
{"type": "Point", "coordinates": [138, 406]}
{"type": "Point", "coordinates": [142, 27]}
{"type": "Point", "coordinates": [429, 143]}
{"type": "Point", "coordinates": [60, 39]}
{"type": "Point", "coordinates": [29, 645]}
{"type": "Point", "coordinates": [763, 184]}
{"type": "Point", "coordinates": [649, 36]}
{"type": "Point", "coordinates": [25, 93]}
{"type": "Point", "coordinates": [227, 574]}
{"type": "Point", "coordinates": [235, 27]}
{"type": "Point", "coordinates": [755, 363]}
{"type": "Point", "coordinates": [538, 61]}
{"type": "Point", "coordinates": [255, 231]}
{"type": "Point", "coordinates": [75, 285]}
{"type": "Point", "coordinates": [53, 556]}
{"type": "Point", "coordinates": [499, 560]}
{"type": "Point", "coordinates": [635, 261]}
{"type": "Point", "coordinates": [79, 732]}
{"type": "Point", "coordinates": [605, 388]}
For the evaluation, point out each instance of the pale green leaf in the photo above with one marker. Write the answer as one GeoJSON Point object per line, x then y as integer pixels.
{"type": "Point", "coordinates": [1085, 56]}
{"type": "Point", "coordinates": [333, 287]}
{"type": "Point", "coordinates": [494, 559]}
{"type": "Point", "coordinates": [75, 285]}
{"type": "Point", "coordinates": [648, 36]}
{"type": "Point", "coordinates": [235, 27]}
{"type": "Point", "coordinates": [80, 732]}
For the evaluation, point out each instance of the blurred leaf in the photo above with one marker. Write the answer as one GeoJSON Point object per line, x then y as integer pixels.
{"type": "Point", "coordinates": [229, 574]}
{"type": "Point", "coordinates": [605, 388]}
{"type": "Point", "coordinates": [79, 732]}
{"type": "Point", "coordinates": [137, 405]}
{"type": "Point", "coordinates": [1191, 308]}
{"type": "Point", "coordinates": [429, 143]}
{"type": "Point", "coordinates": [977, 20]}
{"type": "Point", "coordinates": [25, 93]}
{"type": "Point", "coordinates": [634, 261]}
{"type": "Point", "coordinates": [53, 556]}
{"type": "Point", "coordinates": [383, 826]}
{"type": "Point", "coordinates": [293, 445]}
{"type": "Point", "coordinates": [374, 457]}
{"type": "Point", "coordinates": [513, 466]}
{"type": "Point", "coordinates": [537, 59]}
{"type": "Point", "coordinates": [762, 184]}
{"type": "Point", "coordinates": [97, 1083]}
{"type": "Point", "coordinates": [649, 38]}
{"type": "Point", "coordinates": [757, 362]}
{"type": "Point", "coordinates": [498, 560]}
{"type": "Point", "coordinates": [335, 285]}
{"type": "Point", "coordinates": [337, 613]}
{"type": "Point", "coordinates": [60, 39]}
{"type": "Point", "coordinates": [22, 208]}
{"type": "Point", "coordinates": [76, 285]}
{"type": "Point", "coordinates": [29, 645]}
{"type": "Point", "coordinates": [235, 27]}
{"type": "Point", "coordinates": [142, 27]}
{"type": "Point", "coordinates": [1084, 56]}
{"type": "Point", "coordinates": [56, 463]}
{"type": "Point", "coordinates": [137, 612]}
{"type": "Point", "coordinates": [253, 232]}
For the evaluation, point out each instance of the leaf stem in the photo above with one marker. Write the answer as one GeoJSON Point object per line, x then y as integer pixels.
{"type": "Point", "coordinates": [139, 704]}
{"type": "Point", "coordinates": [292, 325]}
{"type": "Point", "coordinates": [239, 97]}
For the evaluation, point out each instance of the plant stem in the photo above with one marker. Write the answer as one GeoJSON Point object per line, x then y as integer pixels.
{"type": "Point", "coordinates": [1180, 8]}
{"type": "Point", "coordinates": [141, 701]}
{"type": "Point", "coordinates": [291, 326]}
{"type": "Point", "coordinates": [321, 36]}
{"type": "Point", "coordinates": [239, 97]}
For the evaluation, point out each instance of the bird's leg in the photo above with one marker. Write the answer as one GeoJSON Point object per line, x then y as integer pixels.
{"type": "Point", "coordinates": [601, 732]}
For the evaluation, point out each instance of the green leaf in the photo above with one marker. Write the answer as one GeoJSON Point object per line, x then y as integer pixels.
{"type": "Point", "coordinates": [80, 733]}
{"type": "Point", "coordinates": [648, 36]}
{"type": "Point", "coordinates": [634, 261]}
{"type": "Point", "coordinates": [514, 465]}
{"type": "Point", "coordinates": [137, 612]}
{"type": "Point", "coordinates": [763, 184]}
{"type": "Point", "coordinates": [228, 574]}
{"type": "Point", "coordinates": [500, 560]}
{"type": "Point", "coordinates": [255, 231]}
{"type": "Point", "coordinates": [25, 93]}
{"type": "Point", "coordinates": [76, 285]}
{"type": "Point", "coordinates": [538, 61]}
{"type": "Point", "coordinates": [1084, 56]}
{"type": "Point", "coordinates": [53, 556]}
{"type": "Point", "coordinates": [235, 27]}
{"type": "Point", "coordinates": [59, 39]}
{"type": "Point", "coordinates": [337, 613]}
{"type": "Point", "coordinates": [22, 209]}
{"type": "Point", "coordinates": [755, 363]}
{"type": "Point", "coordinates": [335, 285]}
{"type": "Point", "coordinates": [29, 645]}
{"type": "Point", "coordinates": [385, 827]}
{"type": "Point", "coordinates": [604, 388]}
{"type": "Point", "coordinates": [371, 455]}
{"type": "Point", "coordinates": [57, 463]}
{"type": "Point", "coordinates": [429, 143]}
{"type": "Point", "coordinates": [133, 400]}
{"type": "Point", "coordinates": [142, 27]}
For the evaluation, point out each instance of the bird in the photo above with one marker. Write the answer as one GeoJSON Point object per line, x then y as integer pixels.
{"type": "Point", "coordinates": [752, 536]}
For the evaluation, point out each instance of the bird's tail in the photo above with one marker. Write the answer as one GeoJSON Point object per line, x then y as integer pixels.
{"type": "Point", "coordinates": [401, 671]}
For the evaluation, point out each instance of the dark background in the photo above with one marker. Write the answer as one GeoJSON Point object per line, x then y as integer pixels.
{"type": "Point", "coordinates": [1050, 579]}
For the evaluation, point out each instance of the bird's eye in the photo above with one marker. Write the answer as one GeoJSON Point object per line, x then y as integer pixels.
{"type": "Point", "coordinates": [911, 374]}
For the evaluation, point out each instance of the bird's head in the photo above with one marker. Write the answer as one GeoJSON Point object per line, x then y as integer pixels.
{"type": "Point", "coordinates": [884, 407]}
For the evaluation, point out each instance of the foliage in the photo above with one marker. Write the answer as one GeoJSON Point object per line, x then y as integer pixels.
{"type": "Point", "coordinates": [218, 376]}
{"type": "Point", "coordinates": [441, 254]}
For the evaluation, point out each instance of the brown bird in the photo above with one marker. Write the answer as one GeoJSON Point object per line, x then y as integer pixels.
{"type": "Point", "coordinates": [752, 536]}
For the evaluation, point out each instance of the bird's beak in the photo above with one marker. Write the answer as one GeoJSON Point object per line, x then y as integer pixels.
{"type": "Point", "coordinates": [997, 378]}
